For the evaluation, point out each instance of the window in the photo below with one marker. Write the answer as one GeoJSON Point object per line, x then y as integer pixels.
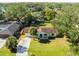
{"type": "Point", "coordinates": [40, 35]}
{"type": "Point", "coordinates": [52, 34]}
{"type": "Point", "coordinates": [45, 34]}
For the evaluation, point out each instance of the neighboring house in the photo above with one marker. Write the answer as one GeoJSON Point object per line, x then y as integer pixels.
{"type": "Point", "coordinates": [8, 28]}
{"type": "Point", "coordinates": [45, 33]}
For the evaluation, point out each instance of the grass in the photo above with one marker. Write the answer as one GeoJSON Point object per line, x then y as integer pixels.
{"type": "Point", "coordinates": [57, 47]}
{"type": "Point", "coordinates": [47, 25]}
{"type": "Point", "coordinates": [6, 52]}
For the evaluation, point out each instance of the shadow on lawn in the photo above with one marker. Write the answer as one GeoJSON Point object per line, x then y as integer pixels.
{"type": "Point", "coordinates": [13, 50]}
{"type": "Point", "coordinates": [46, 41]}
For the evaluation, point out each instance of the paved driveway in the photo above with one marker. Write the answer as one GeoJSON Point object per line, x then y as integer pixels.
{"type": "Point", "coordinates": [2, 42]}
{"type": "Point", "coordinates": [23, 46]}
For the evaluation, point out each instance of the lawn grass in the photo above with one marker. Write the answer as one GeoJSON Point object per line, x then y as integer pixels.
{"type": "Point", "coordinates": [57, 47]}
{"type": "Point", "coordinates": [47, 25]}
{"type": "Point", "coordinates": [6, 52]}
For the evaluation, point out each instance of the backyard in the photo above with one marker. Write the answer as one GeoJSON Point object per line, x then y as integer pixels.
{"type": "Point", "coordinates": [56, 47]}
{"type": "Point", "coordinates": [47, 25]}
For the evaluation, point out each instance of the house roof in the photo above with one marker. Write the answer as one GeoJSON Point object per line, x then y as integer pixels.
{"type": "Point", "coordinates": [47, 30]}
{"type": "Point", "coordinates": [8, 28]}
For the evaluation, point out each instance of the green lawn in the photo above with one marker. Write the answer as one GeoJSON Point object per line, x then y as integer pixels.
{"type": "Point", "coordinates": [47, 25]}
{"type": "Point", "coordinates": [57, 47]}
{"type": "Point", "coordinates": [6, 52]}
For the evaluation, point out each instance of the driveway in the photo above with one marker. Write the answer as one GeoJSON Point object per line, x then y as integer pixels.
{"type": "Point", "coordinates": [2, 42]}
{"type": "Point", "coordinates": [23, 46]}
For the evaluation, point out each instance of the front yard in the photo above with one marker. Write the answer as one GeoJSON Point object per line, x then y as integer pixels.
{"type": "Point", "coordinates": [56, 47]}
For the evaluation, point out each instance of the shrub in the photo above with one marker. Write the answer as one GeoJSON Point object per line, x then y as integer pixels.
{"type": "Point", "coordinates": [11, 43]}
{"type": "Point", "coordinates": [33, 31]}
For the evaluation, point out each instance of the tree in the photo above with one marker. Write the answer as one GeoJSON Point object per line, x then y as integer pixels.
{"type": "Point", "coordinates": [33, 31]}
{"type": "Point", "coordinates": [2, 11]}
{"type": "Point", "coordinates": [30, 19]}
{"type": "Point", "coordinates": [11, 43]}
{"type": "Point", "coordinates": [49, 14]}
{"type": "Point", "coordinates": [67, 25]}
{"type": "Point", "coordinates": [16, 11]}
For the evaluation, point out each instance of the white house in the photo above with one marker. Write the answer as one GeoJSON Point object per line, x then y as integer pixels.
{"type": "Point", "coordinates": [45, 33]}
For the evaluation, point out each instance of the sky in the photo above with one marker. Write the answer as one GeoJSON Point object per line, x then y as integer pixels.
{"type": "Point", "coordinates": [9, 1]}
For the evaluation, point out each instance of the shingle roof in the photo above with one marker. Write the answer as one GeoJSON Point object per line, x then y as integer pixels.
{"type": "Point", "coordinates": [47, 30]}
{"type": "Point", "coordinates": [9, 28]}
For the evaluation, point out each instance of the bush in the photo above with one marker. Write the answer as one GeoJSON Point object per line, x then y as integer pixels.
{"type": "Point", "coordinates": [33, 31]}
{"type": "Point", "coordinates": [17, 35]}
{"type": "Point", "coordinates": [75, 49]}
{"type": "Point", "coordinates": [11, 43]}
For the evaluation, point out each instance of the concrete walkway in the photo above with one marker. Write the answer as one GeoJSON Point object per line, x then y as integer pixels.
{"type": "Point", "coordinates": [2, 42]}
{"type": "Point", "coordinates": [23, 46]}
